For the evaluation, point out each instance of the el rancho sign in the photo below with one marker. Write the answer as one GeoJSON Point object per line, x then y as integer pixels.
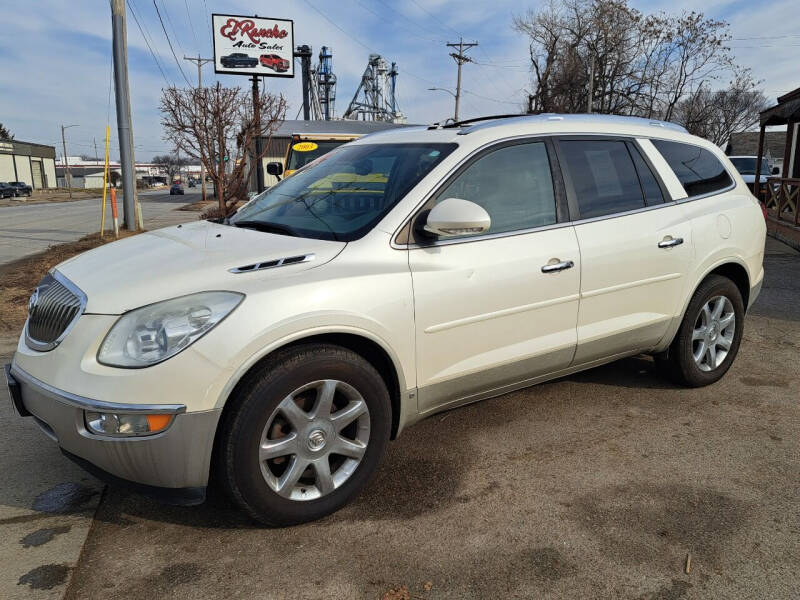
{"type": "Point", "coordinates": [253, 45]}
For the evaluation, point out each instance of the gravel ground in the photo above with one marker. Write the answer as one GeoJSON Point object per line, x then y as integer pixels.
{"type": "Point", "coordinates": [596, 485]}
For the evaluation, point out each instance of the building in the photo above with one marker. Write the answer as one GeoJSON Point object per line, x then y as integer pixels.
{"type": "Point", "coordinates": [25, 161]}
{"type": "Point", "coordinates": [780, 194]}
{"type": "Point", "coordinates": [746, 144]}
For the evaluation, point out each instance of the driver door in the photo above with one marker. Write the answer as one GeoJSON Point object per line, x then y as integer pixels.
{"type": "Point", "coordinates": [499, 309]}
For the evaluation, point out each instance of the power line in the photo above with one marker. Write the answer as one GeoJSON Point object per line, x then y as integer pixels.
{"type": "Point", "coordinates": [172, 26]}
{"type": "Point", "coordinates": [166, 35]}
{"type": "Point", "coordinates": [189, 15]}
{"type": "Point", "coordinates": [144, 37]}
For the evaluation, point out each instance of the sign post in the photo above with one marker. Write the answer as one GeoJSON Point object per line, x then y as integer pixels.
{"type": "Point", "coordinates": [258, 47]}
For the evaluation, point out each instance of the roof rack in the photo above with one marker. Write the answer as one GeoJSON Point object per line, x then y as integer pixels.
{"type": "Point", "coordinates": [454, 124]}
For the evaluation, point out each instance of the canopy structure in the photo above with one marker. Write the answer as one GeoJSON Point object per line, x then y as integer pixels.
{"type": "Point", "coordinates": [781, 195]}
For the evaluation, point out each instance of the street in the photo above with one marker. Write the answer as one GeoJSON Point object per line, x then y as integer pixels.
{"type": "Point", "coordinates": [27, 229]}
{"type": "Point", "coordinates": [596, 485]}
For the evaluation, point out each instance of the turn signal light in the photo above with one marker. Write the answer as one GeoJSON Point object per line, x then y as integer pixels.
{"type": "Point", "coordinates": [125, 425]}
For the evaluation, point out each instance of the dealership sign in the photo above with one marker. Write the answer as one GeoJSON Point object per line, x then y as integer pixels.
{"type": "Point", "coordinates": [253, 46]}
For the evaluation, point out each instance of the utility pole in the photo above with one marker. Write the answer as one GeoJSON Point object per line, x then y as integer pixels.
{"type": "Point", "coordinates": [257, 124]}
{"type": "Point", "coordinates": [96, 157]}
{"type": "Point", "coordinates": [591, 87]}
{"type": "Point", "coordinates": [200, 62]}
{"type": "Point", "coordinates": [460, 59]}
{"type": "Point", "coordinates": [123, 103]}
{"type": "Point", "coordinates": [66, 160]}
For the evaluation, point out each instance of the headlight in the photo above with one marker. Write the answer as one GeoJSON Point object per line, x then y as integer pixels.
{"type": "Point", "coordinates": [154, 333]}
{"type": "Point", "coordinates": [119, 425]}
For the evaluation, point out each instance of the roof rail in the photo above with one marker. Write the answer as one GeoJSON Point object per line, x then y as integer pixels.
{"type": "Point", "coordinates": [454, 124]}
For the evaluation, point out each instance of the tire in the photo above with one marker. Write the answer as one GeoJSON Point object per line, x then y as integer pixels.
{"type": "Point", "coordinates": [699, 330]}
{"type": "Point", "coordinates": [259, 415]}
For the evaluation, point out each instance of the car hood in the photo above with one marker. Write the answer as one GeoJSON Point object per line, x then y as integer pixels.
{"type": "Point", "coordinates": [189, 258]}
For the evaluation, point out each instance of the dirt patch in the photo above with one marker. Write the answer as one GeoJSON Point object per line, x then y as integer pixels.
{"type": "Point", "coordinates": [21, 276]}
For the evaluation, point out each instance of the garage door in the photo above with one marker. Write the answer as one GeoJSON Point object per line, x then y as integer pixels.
{"type": "Point", "coordinates": [36, 171]}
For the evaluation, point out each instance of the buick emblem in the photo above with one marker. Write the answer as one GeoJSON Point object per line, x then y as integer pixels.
{"type": "Point", "coordinates": [33, 300]}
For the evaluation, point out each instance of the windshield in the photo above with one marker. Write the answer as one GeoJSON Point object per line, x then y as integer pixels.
{"type": "Point", "coordinates": [746, 165]}
{"type": "Point", "coordinates": [342, 195]}
{"type": "Point", "coordinates": [300, 158]}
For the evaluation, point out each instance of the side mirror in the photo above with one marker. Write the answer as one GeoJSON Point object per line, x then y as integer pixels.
{"type": "Point", "coordinates": [454, 216]}
{"type": "Point", "coordinates": [275, 168]}
{"type": "Point", "coordinates": [776, 171]}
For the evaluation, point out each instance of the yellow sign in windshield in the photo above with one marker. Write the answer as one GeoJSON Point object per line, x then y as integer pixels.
{"type": "Point", "coordinates": [304, 146]}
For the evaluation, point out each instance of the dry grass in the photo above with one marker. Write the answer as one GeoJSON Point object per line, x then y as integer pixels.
{"type": "Point", "coordinates": [19, 278]}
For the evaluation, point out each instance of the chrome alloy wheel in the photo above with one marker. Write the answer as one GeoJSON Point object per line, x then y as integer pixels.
{"type": "Point", "coordinates": [314, 440]}
{"type": "Point", "coordinates": [713, 333]}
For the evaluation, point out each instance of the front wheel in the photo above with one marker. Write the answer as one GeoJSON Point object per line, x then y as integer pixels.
{"type": "Point", "coordinates": [304, 434]}
{"type": "Point", "coordinates": [709, 336]}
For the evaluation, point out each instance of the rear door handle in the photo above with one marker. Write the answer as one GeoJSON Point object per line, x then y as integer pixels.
{"type": "Point", "coordinates": [559, 266]}
{"type": "Point", "coordinates": [671, 243]}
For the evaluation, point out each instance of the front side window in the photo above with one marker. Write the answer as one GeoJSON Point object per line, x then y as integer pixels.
{"type": "Point", "coordinates": [513, 184]}
{"type": "Point", "coordinates": [343, 194]}
{"type": "Point", "coordinates": [603, 177]}
{"type": "Point", "coordinates": [698, 170]}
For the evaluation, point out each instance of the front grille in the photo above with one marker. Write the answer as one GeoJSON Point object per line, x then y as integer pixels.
{"type": "Point", "coordinates": [53, 308]}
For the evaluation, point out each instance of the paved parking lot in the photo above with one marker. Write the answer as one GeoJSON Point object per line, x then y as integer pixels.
{"type": "Point", "coordinates": [596, 485]}
{"type": "Point", "coordinates": [27, 229]}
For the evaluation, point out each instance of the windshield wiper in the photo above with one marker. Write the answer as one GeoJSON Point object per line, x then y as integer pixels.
{"type": "Point", "coordinates": [267, 227]}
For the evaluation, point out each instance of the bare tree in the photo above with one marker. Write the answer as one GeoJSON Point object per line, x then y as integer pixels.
{"type": "Point", "coordinates": [215, 125]}
{"type": "Point", "coordinates": [171, 164]}
{"type": "Point", "coordinates": [715, 115]}
{"type": "Point", "coordinates": [607, 57]}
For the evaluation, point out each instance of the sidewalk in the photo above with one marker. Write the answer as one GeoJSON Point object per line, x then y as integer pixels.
{"type": "Point", "coordinates": [47, 505]}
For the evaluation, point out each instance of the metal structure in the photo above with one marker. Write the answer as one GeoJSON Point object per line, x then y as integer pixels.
{"type": "Point", "coordinates": [319, 84]}
{"type": "Point", "coordinates": [375, 98]}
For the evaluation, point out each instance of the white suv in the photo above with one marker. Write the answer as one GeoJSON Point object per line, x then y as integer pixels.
{"type": "Point", "coordinates": [402, 274]}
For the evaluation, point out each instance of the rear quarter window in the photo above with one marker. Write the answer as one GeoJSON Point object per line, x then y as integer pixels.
{"type": "Point", "coordinates": [698, 170]}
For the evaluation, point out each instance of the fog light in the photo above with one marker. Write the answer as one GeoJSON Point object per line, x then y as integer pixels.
{"type": "Point", "coordinates": [125, 424]}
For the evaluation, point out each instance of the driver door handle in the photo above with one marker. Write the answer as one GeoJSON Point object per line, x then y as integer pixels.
{"type": "Point", "coordinates": [559, 266]}
{"type": "Point", "coordinates": [670, 243]}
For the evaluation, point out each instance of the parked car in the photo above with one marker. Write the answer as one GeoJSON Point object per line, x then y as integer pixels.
{"type": "Point", "coordinates": [176, 188]}
{"type": "Point", "coordinates": [6, 190]}
{"type": "Point", "coordinates": [283, 347]}
{"type": "Point", "coordinates": [238, 60]}
{"type": "Point", "coordinates": [746, 166]}
{"type": "Point", "coordinates": [275, 62]}
{"type": "Point", "coordinates": [21, 188]}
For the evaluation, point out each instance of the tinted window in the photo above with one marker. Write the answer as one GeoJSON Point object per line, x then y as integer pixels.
{"type": "Point", "coordinates": [650, 187]}
{"type": "Point", "coordinates": [698, 170]}
{"type": "Point", "coordinates": [344, 193]}
{"type": "Point", "coordinates": [513, 184]}
{"type": "Point", "coordinates": [603, 177]}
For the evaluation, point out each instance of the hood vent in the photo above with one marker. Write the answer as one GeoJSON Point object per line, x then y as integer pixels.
{"type": "Point", "coordinates": [271, 264]}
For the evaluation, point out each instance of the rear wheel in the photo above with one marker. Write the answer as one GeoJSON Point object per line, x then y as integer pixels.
{"type": "Point", "coordinates": [709, 336]}
{"type": "Point", "coordinates": [304, 434]}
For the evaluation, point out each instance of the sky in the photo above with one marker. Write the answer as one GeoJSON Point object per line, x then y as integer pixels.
{"type": "Point", "coordinates": [55, 57]}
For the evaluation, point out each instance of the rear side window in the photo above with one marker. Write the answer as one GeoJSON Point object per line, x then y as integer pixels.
{"type": "Point", "coordinates": [650, 186]}
{"type": "Point", "coordinates": [698, 170]}
{"type": "Point", "coordinates": [603, 176]}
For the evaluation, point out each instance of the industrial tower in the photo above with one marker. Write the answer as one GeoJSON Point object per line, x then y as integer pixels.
{"type": "Point", "coordinates": [375, 99]}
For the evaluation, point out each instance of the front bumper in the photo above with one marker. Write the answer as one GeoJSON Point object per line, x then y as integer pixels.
{"type": "Point", "coordinates": [173, 464]}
